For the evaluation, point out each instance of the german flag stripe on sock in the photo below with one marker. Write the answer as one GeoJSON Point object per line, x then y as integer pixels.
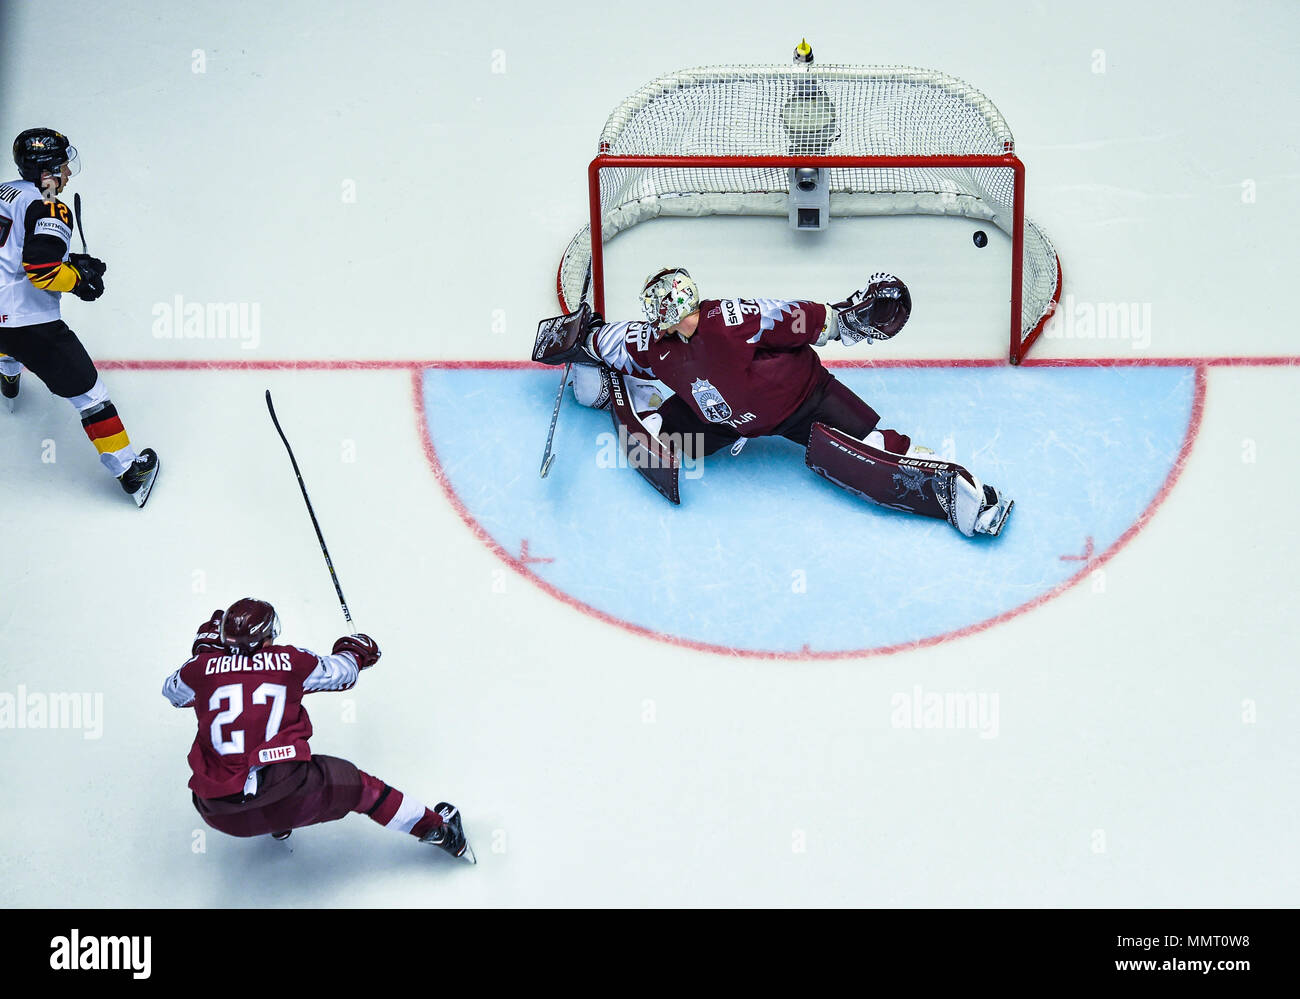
{"type": "Point", "coordinates": [105, 430]}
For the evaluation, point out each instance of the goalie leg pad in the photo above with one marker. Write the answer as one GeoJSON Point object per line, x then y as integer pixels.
{"type": "Point", "coordinates": [929, 487]}
{"type": "Point", "coordinates": [654, 461]}
{"type": "Point", "coordinates": [589, 388]}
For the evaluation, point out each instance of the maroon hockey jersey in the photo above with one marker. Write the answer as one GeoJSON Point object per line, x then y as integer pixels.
{"type": "Point", "coordinates": [750, 363]}
{"type": "Point", "coordinates": [250, 710]}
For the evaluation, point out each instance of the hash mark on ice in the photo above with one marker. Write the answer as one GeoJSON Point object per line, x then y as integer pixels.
{"type": "Point", "coordinates": [527, 559]}
{"type": "Point", "coordinates": [1085, 557]}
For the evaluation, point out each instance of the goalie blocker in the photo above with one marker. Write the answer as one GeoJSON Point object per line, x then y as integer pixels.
{"type": "Point", "coordinates": [925, 486]}
{"type": "Point", "coordinates": [562, 340]}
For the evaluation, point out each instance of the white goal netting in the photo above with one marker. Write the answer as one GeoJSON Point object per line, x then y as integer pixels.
{"type": "Point", "coordinates": [713, 113]}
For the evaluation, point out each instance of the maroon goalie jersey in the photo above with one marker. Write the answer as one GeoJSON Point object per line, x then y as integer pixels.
{"type": "Point", "coordinates": [750, 363]}
{"type": "Point", "coordinates": [250, 710]}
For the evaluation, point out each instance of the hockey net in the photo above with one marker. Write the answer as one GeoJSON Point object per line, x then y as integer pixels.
{"type": "Point", "coordinates": [723, 140]}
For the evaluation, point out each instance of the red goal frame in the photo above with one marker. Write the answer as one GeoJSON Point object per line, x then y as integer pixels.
{"type": "Point", "coordinates": [1020, 342]}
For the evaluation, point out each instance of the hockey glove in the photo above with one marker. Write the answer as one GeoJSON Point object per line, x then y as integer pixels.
{"type": "Point", "coordinates": [563, 340]}
{"type": "Point", "coordinates": [876, 312]}
{"type": "Point", "coordinates": [363, 648]}
{"type": "Point", "coordinates": [208, 638]}
{"type": "Point", "coordinates": [90, 283]}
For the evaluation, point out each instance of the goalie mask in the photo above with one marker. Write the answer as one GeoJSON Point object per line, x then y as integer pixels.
{"type": "Point", "coordinates": [668, 297]}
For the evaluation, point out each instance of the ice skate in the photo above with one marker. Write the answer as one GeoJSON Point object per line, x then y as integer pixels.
{"type": "Point", "coordinates": [450, 836]}
{"type": "Point", "coordinates": [137, 481]}
{"type": "Point", "coordinates": [9, 390]}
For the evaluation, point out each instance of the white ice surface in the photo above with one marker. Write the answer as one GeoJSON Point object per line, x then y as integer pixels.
{"type": "Point", "coordinates": [1121, 710]}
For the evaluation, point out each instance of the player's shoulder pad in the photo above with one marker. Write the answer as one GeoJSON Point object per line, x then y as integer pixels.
{"type": "Point", "coordinates": [638, 335]}
{"type": "Point", "coordinates": [187, 667]}
{"type": "Point", "coordinates": [731, 311]}
{"type": "Point", "coordinates": [14, 193]}
{"type": "Point", "coordinates": [304, 658]}
{"type": "Point", "coordinates": [50, 218]}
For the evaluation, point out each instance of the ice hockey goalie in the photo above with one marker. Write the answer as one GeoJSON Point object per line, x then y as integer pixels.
{"type": "Point", "coordinates": [705, 374]}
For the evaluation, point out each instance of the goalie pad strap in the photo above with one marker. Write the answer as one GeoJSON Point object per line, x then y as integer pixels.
{"type": "Point", "coordinates": [653, 460]}
{"type": "Point", "coordinates": [914, 485]}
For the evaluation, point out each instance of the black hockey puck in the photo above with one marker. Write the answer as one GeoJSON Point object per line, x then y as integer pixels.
{"type": "Point", "coordinates": [980, 238]}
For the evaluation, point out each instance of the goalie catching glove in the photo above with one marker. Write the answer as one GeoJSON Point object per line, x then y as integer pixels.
{"type": "Point", "coordinates": [876, 312]}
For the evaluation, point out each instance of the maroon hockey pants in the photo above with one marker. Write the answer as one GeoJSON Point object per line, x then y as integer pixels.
{"type": "Point", "coordinates": [321, 789]}
{"type": "Point", "coordinates": [831, 402]}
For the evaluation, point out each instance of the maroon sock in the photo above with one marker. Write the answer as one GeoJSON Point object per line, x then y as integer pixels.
{"type": "Point", "coordinates": [386, 805]}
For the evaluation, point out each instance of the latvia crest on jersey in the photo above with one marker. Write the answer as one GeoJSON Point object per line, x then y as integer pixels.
{"type": "Point", "coordinates": [710, 401]}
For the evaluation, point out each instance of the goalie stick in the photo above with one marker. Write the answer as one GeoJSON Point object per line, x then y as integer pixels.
{"type": "Point", "coordinates": [548, 455]}
{"type": "Point", "coordinates": [312, 513]}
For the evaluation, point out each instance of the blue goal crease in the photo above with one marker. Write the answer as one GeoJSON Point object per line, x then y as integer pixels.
{"type": "Point", "coordinates": [764, 556]}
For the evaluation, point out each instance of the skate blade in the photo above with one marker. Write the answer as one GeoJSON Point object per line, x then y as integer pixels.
{"type": "Point", "coordinates": [141, 495]}
{"type": "Point", "coordinates": [468, 855]}
{"type": "Point", "coordinates": [546, 465]}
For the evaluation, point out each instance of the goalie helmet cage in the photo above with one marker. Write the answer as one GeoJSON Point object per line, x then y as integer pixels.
{"type": "Point", "coordinates": [726, 140]}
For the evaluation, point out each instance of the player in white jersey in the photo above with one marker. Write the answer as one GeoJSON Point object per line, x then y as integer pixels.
{"type": "Point", "coordinates": [36, 267]}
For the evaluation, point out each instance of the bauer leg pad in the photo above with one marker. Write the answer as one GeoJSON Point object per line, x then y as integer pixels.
{"type": "Point", "coordinates": [653, 460]}
{"type": "Point", "coordinates": [925, 486]}
{"type": "Point", "coordinates": [589, 386]}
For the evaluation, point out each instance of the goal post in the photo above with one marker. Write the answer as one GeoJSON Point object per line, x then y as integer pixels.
{"type": "Point", "coordinates": [879, 140]}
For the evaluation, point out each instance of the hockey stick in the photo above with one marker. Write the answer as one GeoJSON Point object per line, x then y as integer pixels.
{"type": "Point", "coordinates": [548, 455]}
{"type": "Point", "coordinates": [314, 523]}
{"type": "Point", "coordinates": [76, 210]}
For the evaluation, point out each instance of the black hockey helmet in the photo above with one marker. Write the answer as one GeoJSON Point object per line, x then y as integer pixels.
{"type": "Point", "coordinates": [248, 624]}
{"type": "Point", "coordinates": [39, 149]}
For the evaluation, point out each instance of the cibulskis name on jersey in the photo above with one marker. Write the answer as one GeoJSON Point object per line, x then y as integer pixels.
{"type": "Point", "coordinates": [258, 662]}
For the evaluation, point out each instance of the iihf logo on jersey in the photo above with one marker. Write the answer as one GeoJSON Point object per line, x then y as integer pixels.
{"type": "Point", "coordinates": [710, 401]}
